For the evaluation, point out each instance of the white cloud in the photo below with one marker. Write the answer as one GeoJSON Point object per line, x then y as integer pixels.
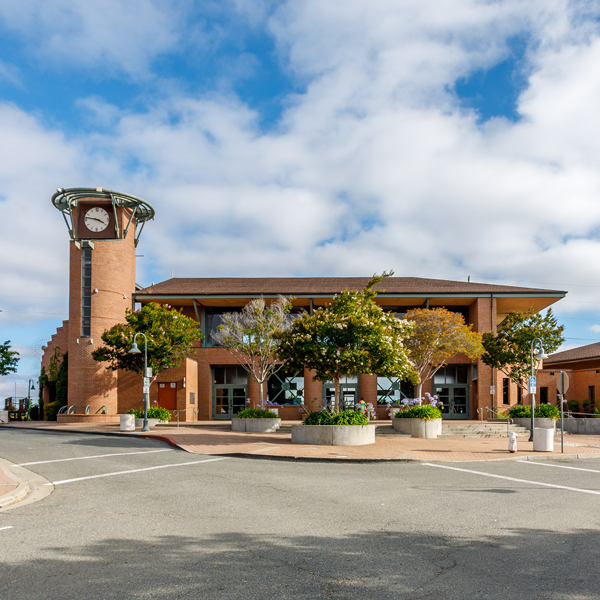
{"type": "Point", "coordinates": [375, 166]}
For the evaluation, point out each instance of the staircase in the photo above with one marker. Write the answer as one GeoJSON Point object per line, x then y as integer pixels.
{"type": "Point", "coordinates": [479, 429]}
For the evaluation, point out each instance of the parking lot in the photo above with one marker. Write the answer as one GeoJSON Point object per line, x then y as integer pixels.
{"type": "Point", "coordinates": [134, 518]}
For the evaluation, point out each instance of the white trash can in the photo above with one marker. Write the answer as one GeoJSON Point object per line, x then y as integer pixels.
{"type": "Point", "coordinates": [127, 422]}
{"type": "Point", "coordinates": [543, 440]}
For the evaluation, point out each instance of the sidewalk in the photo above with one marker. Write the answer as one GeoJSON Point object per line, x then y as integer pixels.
{"type": "Point", "coordinates": [216, 437]}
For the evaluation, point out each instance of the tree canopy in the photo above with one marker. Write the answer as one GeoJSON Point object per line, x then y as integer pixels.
{"type": "Point", "coordinates": [510, 349]}
{"type": "Point", "coordinates": [250, 336]}
{"type": "Point", "coordinates": [438, 335]}
{"type": "Point", "coordinates": [8, 359]}
{"type": "Point", "coordinates": [351, 335]}
{"type": "Point", "coordinates": [170, 336]}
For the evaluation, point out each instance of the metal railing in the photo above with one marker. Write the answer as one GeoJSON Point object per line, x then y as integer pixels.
{"type": "Point", "coordinates": [194, 412]}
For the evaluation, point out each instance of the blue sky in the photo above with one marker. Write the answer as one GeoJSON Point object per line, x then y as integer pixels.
{"type": "Point", "coordinates": [306, 138]}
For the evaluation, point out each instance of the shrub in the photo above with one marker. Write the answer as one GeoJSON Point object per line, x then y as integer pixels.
{"type": "Point", "coordinates": [520, 411]}
{"type": "Point", "coordinates": [255, 413]}
{"type": "Point", "coordinates": [546, 411]}
{"type": "Point", "coordinates": [154, 412]}
{"type": "Point", "coordinates": [318, 418]}
{"type": "Point", "coordinates": [34, 413]}
{"type": "Point", "coordinates": [426, 413]}
{"type": "Point", "coordinates": [51, 410]}
{"type": "Point", "coordinates": [350, 417]}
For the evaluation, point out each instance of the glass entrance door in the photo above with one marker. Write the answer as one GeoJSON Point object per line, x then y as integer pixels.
{"type": "Point", "coordinates": [230, 390]}
{"type": "Point", "coordinates": [348, 390]}
{"type": "Point", "coordinates": [451, 385]}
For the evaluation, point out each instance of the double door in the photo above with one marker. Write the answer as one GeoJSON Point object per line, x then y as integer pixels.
{"type": "Point", "coordinates": [229, 391]}
{"type": "Point", "coordinates": [348, 391]}
{"type": "Point", "coordinates": [451, 385]}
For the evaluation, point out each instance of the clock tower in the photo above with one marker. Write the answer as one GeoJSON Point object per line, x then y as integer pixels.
{"type": "Point", "coordinates": [104, 229]}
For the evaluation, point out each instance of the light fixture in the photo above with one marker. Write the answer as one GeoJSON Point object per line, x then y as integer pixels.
{"type": "Point", "coordinates": [60, 190]}
{"type": "Point", "coordinates": [135, 349]}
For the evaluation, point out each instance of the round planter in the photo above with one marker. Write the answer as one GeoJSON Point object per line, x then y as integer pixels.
{"type": "Point", "coordinates": [419, 428]}
{"type": "Point", "coordinates": [127, 422]}
{"type": "Point", "coordinates": [333, 435]}
{"type": "Point", "coordinates": [542, 423]}
{"type": "Point", "coordinates": [139, 423]}
{"type": "Point", "coordinates": [255, 425]}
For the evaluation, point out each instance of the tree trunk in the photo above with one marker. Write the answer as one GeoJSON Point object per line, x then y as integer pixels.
{"type": "Point", "coordinates": [418, 390]}
{"type": "Point", "coordinates": [337, 394]}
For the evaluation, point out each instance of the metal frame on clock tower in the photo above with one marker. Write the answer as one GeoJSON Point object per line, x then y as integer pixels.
{"type": "Point", "coordinates": [104, 229]}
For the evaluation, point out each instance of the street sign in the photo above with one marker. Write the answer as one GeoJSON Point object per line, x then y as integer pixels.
{"type": "Point", "coordinates": [492, 389]}
{"type": "Point", "coordinates": [146, 389]}
{"type": "Point", "coordinates": [532, 384]}
{"type": "Point", "coordinates": [149, 372]}
{"type": "Point", "coordinates": [146, 381]}
{"type": "Point", "coordinates": [563, 382]}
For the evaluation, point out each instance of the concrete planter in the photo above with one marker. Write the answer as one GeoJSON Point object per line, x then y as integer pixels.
{"type": "Point", "coordinates": [419, 428]}
{"type": "Point", "coordinates": [255, 425]}
{"type": "Point", "coordinates": [582, 426]}
{"type": "Point", "coordinates": [127, 422]}
{"type": "Point", "coordinates": [542, 423]}
{"type": "Point", "coordinates": [333, 435]}
{"type": "Point", "coordinates": [393, 411]}
{"type": "Point", "coordinates": [139, 423]}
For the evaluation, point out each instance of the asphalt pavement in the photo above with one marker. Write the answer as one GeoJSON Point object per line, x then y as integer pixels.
{"type": "Point", "coordinates": [134, 518]}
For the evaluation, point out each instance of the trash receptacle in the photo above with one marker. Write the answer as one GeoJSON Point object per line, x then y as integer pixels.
{"type": "Point", "coordinates": [127, 422]}
{"type": "Point", "coordinates": [543, 439]}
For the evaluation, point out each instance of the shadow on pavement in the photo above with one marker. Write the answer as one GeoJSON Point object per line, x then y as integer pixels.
{"type": "Point", "coordinates": [533, 564]}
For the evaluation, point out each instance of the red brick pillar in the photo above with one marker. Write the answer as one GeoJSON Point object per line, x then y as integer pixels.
{"type": "Point", "coordinates": [313, 391]}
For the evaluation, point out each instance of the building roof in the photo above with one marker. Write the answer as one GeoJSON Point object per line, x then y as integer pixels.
{"type": "Point", "coordinates": [203, 286]}
{"type": "Point", "coordinates": [581, 353]}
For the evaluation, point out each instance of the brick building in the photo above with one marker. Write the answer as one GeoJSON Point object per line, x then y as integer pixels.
{"type": "Point", "coordinates": [582, 366]}
{"type": "Point", "coordinates": [104, 228]}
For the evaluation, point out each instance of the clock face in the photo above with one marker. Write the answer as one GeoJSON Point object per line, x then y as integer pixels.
{"type": "Point", "coordinates": [96, 219]}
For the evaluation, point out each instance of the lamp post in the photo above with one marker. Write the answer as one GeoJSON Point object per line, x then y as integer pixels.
{"type": "Point", "coordinates": [136, 350]}
{"type": "Point", "coordinates": [540, 355]}
{"type": "Point", "coordinates": [29, 396]}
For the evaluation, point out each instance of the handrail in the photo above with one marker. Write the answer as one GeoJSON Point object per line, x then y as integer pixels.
{"type": "Point", "coordinates": [176, 413]}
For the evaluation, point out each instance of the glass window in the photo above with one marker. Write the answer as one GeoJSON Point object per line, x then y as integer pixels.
{"type": "Point", "coordinates": [285, 387]}
{"type": "Point", "coordinates": [214, 319]}
{"type": "Point", "coordinates": [505, 391]}
{"type": "Point", "coordinates": [392, 390]}
{"type": "Point", "coordinates": [231, 375]}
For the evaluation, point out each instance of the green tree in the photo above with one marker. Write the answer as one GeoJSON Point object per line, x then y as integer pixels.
{"type": "Point", "coordinates": [510, 349]}
{"type": "Point", "coordinates": [438, 335]}
{"type": "Point", "coordinates": [249, 336]}
{"type": "Point", "coordinates": [350, 336]}
{"type": "Point", "coordinates": [8, 359]}
{"type": "Point", "coordinates": [170, 335]}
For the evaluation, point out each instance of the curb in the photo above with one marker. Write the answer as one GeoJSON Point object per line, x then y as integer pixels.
{"type": "Point", "coordinates": [17, 494]}
{"type": "Point", "coordinates": [171, 442]}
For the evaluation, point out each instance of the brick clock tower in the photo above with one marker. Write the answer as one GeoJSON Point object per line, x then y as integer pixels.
{"type": "Point", "coordinates": [104, 229]}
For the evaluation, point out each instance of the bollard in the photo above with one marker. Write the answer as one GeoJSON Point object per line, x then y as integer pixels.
{"type": "Point", "coordinates": [512, 442]}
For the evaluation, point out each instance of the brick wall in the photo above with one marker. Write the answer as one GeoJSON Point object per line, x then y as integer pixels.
{"type": "Point", "coordinates": [59, 340]}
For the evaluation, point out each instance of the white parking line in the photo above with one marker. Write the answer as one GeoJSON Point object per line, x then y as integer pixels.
{"type": "Point", "coordinates": [9, 527]}
{"type": "Point", "coordinates": [44, 462]}
{"type": "Point", "coordinates": [559, 466]}
{"type": "Point", "coordinates": [185, 464]}
{"type": "Point", "coordinates": [560, 487]}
